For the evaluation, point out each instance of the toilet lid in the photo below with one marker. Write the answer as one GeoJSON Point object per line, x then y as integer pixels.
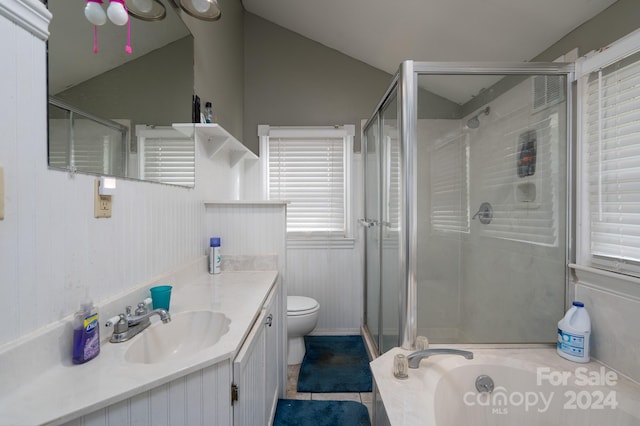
{"type": "Point", "coordinates": [298, 305]}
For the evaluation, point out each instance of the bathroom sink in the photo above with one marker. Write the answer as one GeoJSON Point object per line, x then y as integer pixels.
{"type": "Point", "coordinates": [187, 333]}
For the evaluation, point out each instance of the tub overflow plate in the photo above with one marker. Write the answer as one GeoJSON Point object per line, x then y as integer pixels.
{"type": "Point", "coordinates": [484, 384]}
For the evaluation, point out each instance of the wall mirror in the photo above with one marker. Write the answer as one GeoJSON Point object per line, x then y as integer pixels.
{"type": "Point", "coordinates": [100, 103]}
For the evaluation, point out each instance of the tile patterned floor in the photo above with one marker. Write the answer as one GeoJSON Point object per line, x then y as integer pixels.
{"type": "Point", "coordinates": [292, 391]}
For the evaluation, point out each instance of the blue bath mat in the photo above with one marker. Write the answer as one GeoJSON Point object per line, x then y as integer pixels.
{"type": "Point", "coordinates": [293, 412]}
{"type": "Point", "coordinates": [334, 364]}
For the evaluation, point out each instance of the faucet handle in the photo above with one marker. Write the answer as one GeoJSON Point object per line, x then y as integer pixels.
{"type": "Point", "coordinates": [112, 321]}
{"type": "Point", "coordinates": [142, 309]}
{"type": "Point", "coordinates": [118, 322]}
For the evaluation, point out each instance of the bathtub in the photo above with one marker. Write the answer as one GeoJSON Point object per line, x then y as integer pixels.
{"type": "Point", "coordinates": [532, 386]}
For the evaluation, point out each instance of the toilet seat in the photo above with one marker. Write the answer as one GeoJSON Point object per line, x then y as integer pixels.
{"type": "Point", "coordinates": [300, 305]}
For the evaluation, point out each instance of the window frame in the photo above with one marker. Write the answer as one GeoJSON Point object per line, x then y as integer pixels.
{"type": "Point", "coordinates": [587, 264]}
{"type": "Point", "coordinates": [345, 132]}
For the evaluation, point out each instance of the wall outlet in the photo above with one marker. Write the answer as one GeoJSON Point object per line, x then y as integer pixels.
{"type": "Point", "coordinates": [102, 203]}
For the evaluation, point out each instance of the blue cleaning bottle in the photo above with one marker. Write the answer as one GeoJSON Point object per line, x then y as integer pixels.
{"type": "Point", "coordinates": [86, 334]}
{"type": "Point", "coordinates": [214, 255]}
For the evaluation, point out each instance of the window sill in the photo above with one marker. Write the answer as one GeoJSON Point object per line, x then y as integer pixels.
{"type": "Point", "coordinates": [320, 243]}
{"type": "Point", "coordinates": [611, 282]}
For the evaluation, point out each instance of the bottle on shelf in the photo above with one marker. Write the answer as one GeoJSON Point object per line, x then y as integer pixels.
{"type": "Point", "coordinates": [208, 112]}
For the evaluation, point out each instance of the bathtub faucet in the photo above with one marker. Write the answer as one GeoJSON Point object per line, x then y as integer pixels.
{"type": "Point", "coordinates": [415, 358]}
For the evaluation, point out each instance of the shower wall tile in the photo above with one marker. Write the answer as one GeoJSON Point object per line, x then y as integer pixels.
{"type": "Point", "coordinates": [614, 334]}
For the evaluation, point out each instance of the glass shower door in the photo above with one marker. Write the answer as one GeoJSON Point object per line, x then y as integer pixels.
{"type": "Point", "coordinates": [382, 213]}
{"type": "Point", "coordinates": [390, 225]}
{"type": "Point", "coordinates": [492, 207]}
{"type": "Point", "coordinates": [372, 231]}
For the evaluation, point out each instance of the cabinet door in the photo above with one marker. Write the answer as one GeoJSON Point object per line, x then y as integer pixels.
{"type": "Point", "coordinates": [249, 377]}
{"type": "Point", "coordinates": [273, 354]}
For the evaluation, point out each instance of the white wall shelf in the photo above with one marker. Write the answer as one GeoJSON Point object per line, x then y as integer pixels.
{"type": "Point", "coordinates": [217, 141]}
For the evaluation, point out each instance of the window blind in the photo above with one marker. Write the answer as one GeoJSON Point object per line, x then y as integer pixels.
{"type": "Point", "coordinates": [78, 142]}
{"type": "Point", "coordinates": [169, 160]}
{"type": "Point", "coordinates": [392, 181]}
{"type": "Point", "coordinates": [309, 168]}
{"type": "Point", "coordinates": [449, 186]}
{"type": "Point", "coordinates": [612, 136]}
{"type": "Point", "coordinates": [96, 148]}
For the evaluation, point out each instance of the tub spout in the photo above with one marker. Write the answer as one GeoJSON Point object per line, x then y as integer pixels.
{"type": "Point", "coordinates": [416, 357]}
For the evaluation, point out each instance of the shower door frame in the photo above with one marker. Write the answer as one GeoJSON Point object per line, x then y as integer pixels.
{"type": "Point", "coordinates": [386, 99]}
{"type": "Point", "coordinates": [406, 83]}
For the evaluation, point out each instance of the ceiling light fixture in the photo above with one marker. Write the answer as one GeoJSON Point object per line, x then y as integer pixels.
{"type": "Point", "coordinates": [207, 10]}
{"type": "Point", "coordinates": [146, 10]}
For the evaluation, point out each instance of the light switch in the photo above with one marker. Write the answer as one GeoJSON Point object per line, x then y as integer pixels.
{"type": "Point", "coordinates": [101, 203]}
{"type": "Point", "coordinates": [1, 193]}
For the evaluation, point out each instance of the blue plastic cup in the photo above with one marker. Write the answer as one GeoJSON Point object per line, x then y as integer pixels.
{"type": "Point", "coordinates": [161, 296]}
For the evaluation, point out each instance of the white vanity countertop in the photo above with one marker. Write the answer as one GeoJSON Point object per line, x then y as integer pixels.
{"type": "Point", "coordinates": [68, 391]}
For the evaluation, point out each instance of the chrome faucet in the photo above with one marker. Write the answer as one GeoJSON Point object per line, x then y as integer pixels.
{"type": "Point", "coordinates": [129, 325]}
{"type": "Point", "coordinates": [415, 358]}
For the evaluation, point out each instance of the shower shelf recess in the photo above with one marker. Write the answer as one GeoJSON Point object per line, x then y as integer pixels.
{"type": "Point", "coordinates": [218, 141]}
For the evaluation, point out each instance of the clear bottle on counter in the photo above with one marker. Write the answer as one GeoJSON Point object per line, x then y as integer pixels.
{"type": "Point", "coordinates": [208, 112]}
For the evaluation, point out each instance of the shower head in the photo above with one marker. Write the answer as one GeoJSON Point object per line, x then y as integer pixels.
{"type": "Point", "coordinates": [474, 122]}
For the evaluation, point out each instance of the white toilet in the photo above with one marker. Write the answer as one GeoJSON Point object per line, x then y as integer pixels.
{"type": "Point", "coordinates": [302, 317]}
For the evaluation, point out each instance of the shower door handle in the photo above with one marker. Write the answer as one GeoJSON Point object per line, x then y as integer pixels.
{"type": "Point", "coordinates": [368, 223]}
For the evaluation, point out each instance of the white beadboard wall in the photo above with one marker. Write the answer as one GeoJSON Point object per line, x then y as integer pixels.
{"type": "Point", "coordinates": [248, 229]}
{"type": "Point", "coordinates": [52, 249]}
{"type": "Point", "coordinates": [332, 276]}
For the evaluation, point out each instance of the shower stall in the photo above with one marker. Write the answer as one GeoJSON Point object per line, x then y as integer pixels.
{"type": "Point", "coordinates": [467, 204]}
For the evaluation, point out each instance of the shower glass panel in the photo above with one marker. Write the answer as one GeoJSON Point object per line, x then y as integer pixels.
{"type": "Point", "coordinates": [372, 231]}
{"type": "Point", "coordinates": [469, 167]}
{"type": "Point", "coordinates": [391, 280]}
{"type": "Point", "coordinates": [382, 210]}
{"type": "Point", "coordinates": [491, 191]}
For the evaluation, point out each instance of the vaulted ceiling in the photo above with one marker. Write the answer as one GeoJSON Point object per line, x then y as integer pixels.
{"type": "Point", "coordinates": [383, 33]}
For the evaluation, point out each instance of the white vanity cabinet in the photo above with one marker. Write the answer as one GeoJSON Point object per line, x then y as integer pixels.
{"type": "Point", "coordinates": [256, 369]}
{"type": "Point", "coordinates": [199, 398]}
